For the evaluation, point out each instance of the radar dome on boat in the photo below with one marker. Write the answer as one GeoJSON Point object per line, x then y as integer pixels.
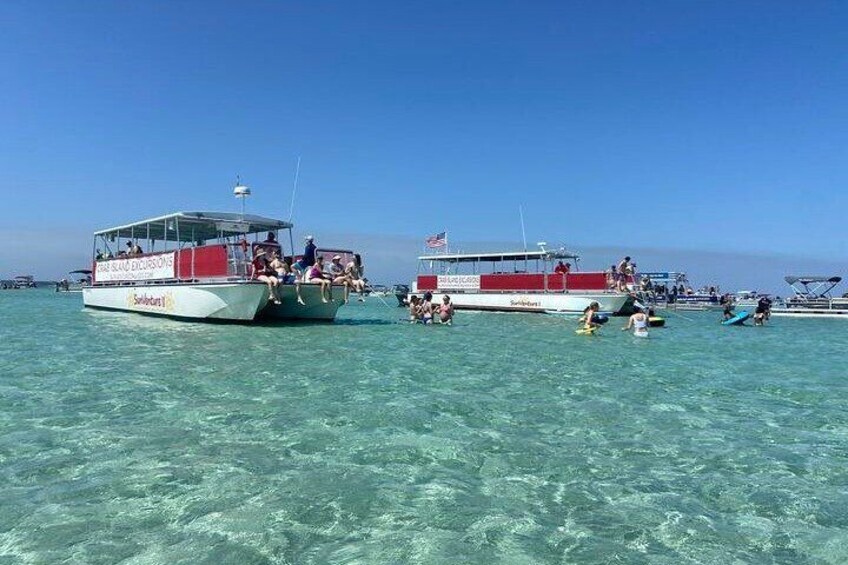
{"type": "Point", "coordinates": [240, 191]}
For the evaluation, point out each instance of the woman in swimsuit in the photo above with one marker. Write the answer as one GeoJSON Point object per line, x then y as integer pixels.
{"type": "Point", "coordinates": [427, 308]}
{"type": "Point", "coordinates": [446, 310]}
{"type": "Point", "coordinates": [639, 322]}
{"type": "Point", "coordinates": [316, 275]}
{"type": "Point", "coordinates": [354, 272]}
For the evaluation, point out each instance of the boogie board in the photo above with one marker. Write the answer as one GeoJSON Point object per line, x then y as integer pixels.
{"type": "Point", "coordinates": [586, 331]}
{"type": "Point", "coordinates": [656, 322]}
{"type": "Point", "coordinates": [738, 319]}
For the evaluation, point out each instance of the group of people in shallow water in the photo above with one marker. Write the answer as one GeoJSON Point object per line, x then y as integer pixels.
{"type": "Point", "coordinates": [638, 321]}
{"type": "Point", "coordinates": [422, 310]}
{"type": "Point", "coordinates": [270, 267]}
{"type": "Point", "coordinates": [761, 313]}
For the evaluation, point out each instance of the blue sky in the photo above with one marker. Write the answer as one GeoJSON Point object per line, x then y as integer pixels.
{"type": "Point", "coordinates": [719, 127]}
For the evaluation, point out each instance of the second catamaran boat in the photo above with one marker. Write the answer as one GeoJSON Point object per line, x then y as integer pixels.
{"type": "Point", "coordinates": [521, 281]}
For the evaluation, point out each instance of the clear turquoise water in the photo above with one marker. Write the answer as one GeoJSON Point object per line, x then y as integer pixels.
{"type": "Point", "coordinates": [503, 439]}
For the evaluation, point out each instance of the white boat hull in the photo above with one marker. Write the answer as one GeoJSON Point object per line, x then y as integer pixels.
{"type": "Point", "coordinates": [212, 301]}
{"type": "Point", "coordinates": [533, 302]}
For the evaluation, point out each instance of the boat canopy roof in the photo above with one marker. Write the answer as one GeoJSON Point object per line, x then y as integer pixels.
{"type": "Point", "coordinates": [504, 256]}
{"type": "Point", "coordinates": [24, 277]}
{"type": "Point", "coordinates": [195, 226]}
{"type": "Point", "coordinates": [814, 279]}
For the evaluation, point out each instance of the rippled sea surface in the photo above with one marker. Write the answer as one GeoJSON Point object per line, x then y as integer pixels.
{"type": "Point", "coordinates": [503, 439]}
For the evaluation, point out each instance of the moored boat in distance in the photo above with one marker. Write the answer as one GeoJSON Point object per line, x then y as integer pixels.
{"type": "Point", "coordinates": [516, 281]}
{"type": "Point", "coordinates": [197, 266]}
{"type": "Point", "coordinates": [24, 281]}
{"type": "Point", "coordinates": [75, 282]}
{"type": "Point", "coordinates": [671, 289]}
{"type": "Point", "coordinates": [813, 298]}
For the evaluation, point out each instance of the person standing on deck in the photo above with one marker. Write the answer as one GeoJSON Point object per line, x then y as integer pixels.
{"type": "Point", "coordinates": [624, 270]}
{"type": "Point", "coordinates": [308, 258]}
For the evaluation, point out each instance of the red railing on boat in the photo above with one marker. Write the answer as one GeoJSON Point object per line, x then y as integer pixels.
{"type": "Point", "coordinates": [529, 282]}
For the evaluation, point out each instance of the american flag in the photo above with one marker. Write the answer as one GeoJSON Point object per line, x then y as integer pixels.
{"type": "Point", "coordinates": [438, 240]}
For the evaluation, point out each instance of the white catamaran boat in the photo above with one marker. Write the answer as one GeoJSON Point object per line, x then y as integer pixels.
{"type": "Point", "coordinates": [197, 265]}
{"type": "Point", "coordinates": [522, 281]}
{"type": "Point", "coordinates": [813, 298]}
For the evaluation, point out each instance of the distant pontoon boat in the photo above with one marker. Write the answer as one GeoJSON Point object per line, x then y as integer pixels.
{"type": "Point", "coordinates": [76, 281]}
{"type": "Point", "coordinates": [197, 265]}
{"type": "Point", "coordinates": [813, 298]}
{"type": "Point", "coordinates": [519, 281]}
{"type": "Point", "coordinates": [676, 292]}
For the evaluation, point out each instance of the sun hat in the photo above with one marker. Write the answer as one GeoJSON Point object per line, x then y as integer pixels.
{"type": "Point", "coordinates": [308, 238]}
{"type": "Point", "coordinates": [339, 257]}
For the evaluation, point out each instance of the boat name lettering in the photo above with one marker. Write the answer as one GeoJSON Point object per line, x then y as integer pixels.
{"type": "Point", "coordinates": [162, 302]}
{"type": "Point", "coordinates": [524, 302]}
{"type": "Point", "coordinates": [151, 267]}
{"type": "Point", "coordinates": [458, 282]}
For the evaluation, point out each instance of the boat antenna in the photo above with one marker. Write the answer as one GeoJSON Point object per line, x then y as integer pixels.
{"type": "Point", "coordinates": [294, 190]}
{"type": "Point", "coordinates": [523, 233]}
{"type": "Point", "coordinates": [241, 192]}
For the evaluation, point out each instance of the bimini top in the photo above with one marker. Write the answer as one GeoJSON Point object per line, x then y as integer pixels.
{"type": "Point", "coordinates": [808, 280]}
{"type": "Point", "coordinates": [194, 226]}
{"type": "Point", "coordinates": [495, 257]}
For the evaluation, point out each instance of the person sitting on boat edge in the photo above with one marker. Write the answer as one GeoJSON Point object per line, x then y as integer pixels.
{"type": "Point", "coordinates": [316, 275]}
{"type": "Point", "coordinates": [285, 274]}
{"type": "Point", "coordinates": [354, 272]}
{"type": "Point", "coordinates": [638, 321]}
{"type": "Point", "coordinates": [338, 275]}
{"type": "Point", "coordinates": [262, 272]}
{"type": "Point", "coordinates": [446, 310]}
